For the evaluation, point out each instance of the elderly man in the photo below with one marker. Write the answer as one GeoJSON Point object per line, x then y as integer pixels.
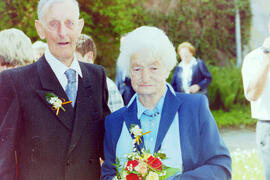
{"type": "Point", "coordinates": [52, 111]}
{"type": "Point", "coordinates": [256, 80]}
{"type": "Point", "coordinates": [179, 125]}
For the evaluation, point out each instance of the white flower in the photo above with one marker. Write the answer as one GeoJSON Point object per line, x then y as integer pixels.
{"type": "Point", "coordinates": [152, 176]}
{"type": "Point", "coordinates": [56, 102]}
{"type": "Point", "coordinates": [141, 168]}
{"type": "Point", "coordinates": [136, 131]}
{"type": "Point", "coordinates": [53, 100]}
{"type": "Point", "coordinates": [124, 174]}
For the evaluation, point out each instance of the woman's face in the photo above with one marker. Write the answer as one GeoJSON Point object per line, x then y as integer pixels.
{"type": "Point", "coordinates": [185, 54]}
{"type": "Point", "coordinates": [148, 74]}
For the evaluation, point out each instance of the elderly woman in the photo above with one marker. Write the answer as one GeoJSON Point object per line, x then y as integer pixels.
{"type": "Point", "coordinates": [191, 75]}
{"type": "Point", "coordinates": [181, 125]}
{"type": "Point", "coordinates": [15, 49]}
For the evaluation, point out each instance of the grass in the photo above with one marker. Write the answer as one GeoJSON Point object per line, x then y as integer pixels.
{"type": "Point", "coordinates": [246, 165]}
{"type": "Point", "coordinates": [238, 116]}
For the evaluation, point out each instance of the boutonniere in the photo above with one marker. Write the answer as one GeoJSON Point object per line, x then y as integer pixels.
{"type": "Point", "coordinates": [137, 133]}
{"type": "Point", "coordinates": [56, 102]}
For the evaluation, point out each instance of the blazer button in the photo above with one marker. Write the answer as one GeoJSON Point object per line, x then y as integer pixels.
{"type": "Point", "coordinates": [68, 163]}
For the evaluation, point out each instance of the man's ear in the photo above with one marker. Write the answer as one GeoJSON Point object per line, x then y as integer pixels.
{"type": "Point", "coordinates": [40, 29]}
{"type": "Point", "coordinates": [89, 57]}
{"type": "Point", "coordinates": [81, 24]}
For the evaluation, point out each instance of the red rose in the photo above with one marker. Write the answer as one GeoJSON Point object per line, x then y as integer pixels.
{"type": "Point", "coordinates": [154, 163]}
{"type": "Point", "coordinates": [134, 163]}
{"type": "Point", "coordinates": [132, 177]}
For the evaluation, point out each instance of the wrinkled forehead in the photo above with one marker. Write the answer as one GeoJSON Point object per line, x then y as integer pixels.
{"type": "Point", "coordinates": [145, 57]}
{"type": "Point", "coordinates": [60, 10]}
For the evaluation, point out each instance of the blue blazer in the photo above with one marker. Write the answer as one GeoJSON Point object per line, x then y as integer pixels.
{"type": "Point", "coordinates": [200, 76]}
{"type": "Point", "coordinates": [204, 154]}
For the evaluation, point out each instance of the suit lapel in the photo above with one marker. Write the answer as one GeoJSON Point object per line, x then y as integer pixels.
{"type": "Point", "coordinates": [170, 107]}
{"type": "Point", "coordinates": [130, 118]}
{"type": "Point", "coordinates": [84, 106]}
{"type": "Point", "coordinates": [50, 83]}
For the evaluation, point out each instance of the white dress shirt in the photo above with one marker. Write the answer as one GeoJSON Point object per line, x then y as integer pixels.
{"type": "Point", "coordinates": [59, 68]}
{"type": "Point", "coordinates": [260, 109]}
{"type": "Point", "coordinates": [187, 73]}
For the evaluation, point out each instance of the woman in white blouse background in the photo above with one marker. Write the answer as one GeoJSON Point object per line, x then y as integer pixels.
{"type": "Point", "coordinates": [191, 75]}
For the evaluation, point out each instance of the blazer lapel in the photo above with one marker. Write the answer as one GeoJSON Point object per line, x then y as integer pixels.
{"type": "Point", "coordinates": [50, 83]}
{"type": "Point", "coordinates": [84, 106]}
{"type": "Point", "coordinates": [170, 107]}
{"type": "Point", "coordinates": [130, 118]}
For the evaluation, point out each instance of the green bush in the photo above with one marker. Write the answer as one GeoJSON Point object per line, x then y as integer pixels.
{"type": "Point", "coordinates": [238, 116]}
{"type": "Point", "coordinates": [226, 88]}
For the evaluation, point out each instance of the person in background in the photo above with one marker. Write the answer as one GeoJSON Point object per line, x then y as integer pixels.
{"type": "Point", "coordinates": [181, 125]}
{"type": "Point", "coordinates": [191, 75]}
{"type": "Point", "coordinates": [86, 51]}
{"type": "Point", "coordinates": [39, 48]}
{"type": "Point", "coordinates": [123, 82]}
{"type": "Point", "coordinates": [15, 49]}
{"type": "Point", "coordinates": [52, 111]}
{"type": "Point", "coordinates": [256, 82]}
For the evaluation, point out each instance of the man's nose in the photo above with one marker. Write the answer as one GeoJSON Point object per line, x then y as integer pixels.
{"type": "Point", "coordinates": [62, 31]}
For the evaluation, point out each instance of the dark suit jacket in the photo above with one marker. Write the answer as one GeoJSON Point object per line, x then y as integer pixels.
{"type": "Point", "coordinates": [200, 76]}
{"type": "Point", "coordinates": [124, 86]}
{"type": "Point", "coordinates": [50, 147]}
{"type": "Point", "coordinates": [204, 153]}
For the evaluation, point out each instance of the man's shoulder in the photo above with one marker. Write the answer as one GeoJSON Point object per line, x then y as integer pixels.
{"type": "Point", "coordinates": [111, 84]}
{"type": "Point", "coordinates": [253, 54]}
{"type": "Point", "coordinates": [23, 71]}
{"type": "Point", "coordinates": [92, 67]}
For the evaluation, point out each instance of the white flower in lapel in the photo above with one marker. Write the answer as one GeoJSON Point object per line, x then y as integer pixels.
{"type": "Point", "coordinates": [137, 133]}
{"type": "Point", "coordinates": [56, 102]}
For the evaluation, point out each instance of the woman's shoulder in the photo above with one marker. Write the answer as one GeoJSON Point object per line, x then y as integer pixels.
{"type": "Point", "coordinates": [117, 115]}
{"type": "Point", "coordinates": [200, 61]}
{"type": "Point", "coordinates": [192, 100]}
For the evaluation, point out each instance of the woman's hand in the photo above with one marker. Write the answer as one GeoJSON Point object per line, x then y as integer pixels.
{"type": "Point", "coordinates": [194, 88]}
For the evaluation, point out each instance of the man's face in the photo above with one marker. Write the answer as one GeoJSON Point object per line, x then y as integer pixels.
{"type": "Point", "coordinates": [61, 28]}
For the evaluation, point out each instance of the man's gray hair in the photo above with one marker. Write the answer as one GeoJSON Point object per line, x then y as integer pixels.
{"type": "Point", "coordinates": [150, 39]}
{"type": "Point", "coordinates": [47, 3]}
{"type": "Point", "coordinates": [15, 48]}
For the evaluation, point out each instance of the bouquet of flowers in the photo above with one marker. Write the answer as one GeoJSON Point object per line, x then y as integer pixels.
{"type": "Point", "coordinates": [142, 165]}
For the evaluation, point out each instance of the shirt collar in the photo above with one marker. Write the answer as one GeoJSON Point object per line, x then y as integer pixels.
{"type": "Point", "coordinates": [58, 67]}
{"type": "Point", "coordinates": [159, 106]}
{"type": "Point", "coordinates": [193, 62]}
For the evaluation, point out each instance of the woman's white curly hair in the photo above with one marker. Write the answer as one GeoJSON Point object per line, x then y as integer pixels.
{"type": "Point", "coordinates": [148, 39]}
